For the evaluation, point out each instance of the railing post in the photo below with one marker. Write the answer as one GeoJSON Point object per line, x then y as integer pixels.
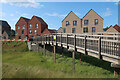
{"type": "Point", "coordinates": [67, 41]}
{"type": "Point", "coordinates": [75, 42]}
{"type": "Point", "coordinates": [61, 39]}
{"type": "Point", "coordinates": [99, 48]}
{"type": "Point", "coordinates": [85, 45]}
{"type": "Point", "coordinates": [73, 55]}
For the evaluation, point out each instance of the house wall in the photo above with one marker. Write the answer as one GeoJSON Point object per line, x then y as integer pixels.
{"type": "Point", "coordinates": [91, 16]}
{"type": "Point", "coordinates": [111, 29]}
{"type": "Point", "coordinates": [5, 35]}
{"type": "Point", "coordinates": [34, 21]}
{"type": "Point", "coordinates": [21, 22]}
{"type": "Point", "coordinates": [46, 32]}
{"type": "Point", "coordinates": [71, 17]}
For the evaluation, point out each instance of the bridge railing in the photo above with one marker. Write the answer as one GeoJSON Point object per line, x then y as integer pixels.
{"type": "Point", "coordinates": [99, 44]}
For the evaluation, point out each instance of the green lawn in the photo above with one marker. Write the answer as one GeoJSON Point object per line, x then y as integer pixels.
{"type": "Point", "coordinates": [18, 62]}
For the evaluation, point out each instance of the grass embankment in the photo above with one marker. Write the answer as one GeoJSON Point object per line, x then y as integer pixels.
{"type": "Point", "coordinates": [18, 62]}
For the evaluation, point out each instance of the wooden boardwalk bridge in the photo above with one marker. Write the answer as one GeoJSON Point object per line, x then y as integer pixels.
{"type": "Point", "coordinates": [105, 46]}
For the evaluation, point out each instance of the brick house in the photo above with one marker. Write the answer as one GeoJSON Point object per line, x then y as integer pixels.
{"type": "Point", "coordinates": [29, 28]}
{"type": "Point", "coordinates": [91, 22]}
{"type": "Point", "coordinates": [36, 26]}
{"type": "Point", "coordinates": [114, 28]}
{"type": "Point", "coordinates": [21, 28]}
{"type": "Point", "coordinates": [5, 32]}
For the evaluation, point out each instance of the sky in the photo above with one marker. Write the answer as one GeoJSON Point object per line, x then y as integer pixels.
{"type": "Point", "coordinates": [54, 12]}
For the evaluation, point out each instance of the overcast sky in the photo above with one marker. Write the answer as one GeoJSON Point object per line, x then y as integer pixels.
{"type": "Point", "coordinates": [54, 12]}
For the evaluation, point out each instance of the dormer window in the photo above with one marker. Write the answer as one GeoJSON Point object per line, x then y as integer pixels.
{"type": "Point", "coordinates": [30, 26]}
{"type": "Point", "coordinates": [96, 21]}
{"type": "Point", "coordinates": [67, 23]}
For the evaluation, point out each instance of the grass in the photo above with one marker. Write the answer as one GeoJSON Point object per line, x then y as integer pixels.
{"type": "Point", "coordinates": [18, 62]}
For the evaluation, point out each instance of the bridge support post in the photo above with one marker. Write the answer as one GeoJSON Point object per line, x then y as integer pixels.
{"type": "Point", "coordinates": [116, 68]}
{"type": "Point", "coordinates": [80, 58]}
{"type": "Point", "coordinates": [37, 47]}
{"type": "Point", "coordinates": [73, 53]}
{"type": "Point", "coordinates": [73, 57]}
{"type": "Point", "coordinates": [44, 49]}
{"type": "Point", "coordinates": [54, 54]}
{"type": "Point", "coordinates": [62, 51]}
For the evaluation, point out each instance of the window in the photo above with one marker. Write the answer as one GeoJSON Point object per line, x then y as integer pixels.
{"type": "Point", "coordinates": [36, 25]}
{"type": "Point", "coordinates": [16, 32]}
{"type": "Point", "coordinates": [85, 30]}
{"type": "Point", "coordinates": [35, 32]}
{"type": "Point", "coordinates": [26, 37]}
{"type": "Point", "coordinates": [93, 29]}
{"type": "Point", "coordinates": [31, 36]}
{"type": "Point", "coordinates": [96, 21]}
{"type": "Point", "coordinates": [30, 32]}
{"type": "Point", "coordinates": [30, 26]}
{"type": "Point", "coordinates": [73, 30]}
{"type": "Point", "coordinates": [23, 26]}
{"type": "Point", "coordinates": [67, 23]}
{"type": "Point", "coordinates": [85, 22]}
{"type": "Point", "coordinates": [64, 30]}
{"type": "Point", "coordinates": [18, 26]}
{"type": "Point", "coordinates": [19, 37]}
{"type": "Point", "coordinates": [74, 23]}
{"type": "Point", "coordinates": [22, 32]}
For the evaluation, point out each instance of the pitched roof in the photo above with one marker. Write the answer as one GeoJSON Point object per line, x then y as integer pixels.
{"type": "Point", "coordinates": [70, 13]}
{"type": "Point", "coordinates": [4, 24]}
{"type": "Point", "coordinates": [8, 32]}
{"type": "Point", "coordinates": [94, 11]}
{"type": "Point", "coordinates": [41, 20]}
{"type": "Point", "coordinates": [26, 19]}
{"type": "Point", "coordinates": [52, 30]}
{"type": "Point", "coordinates": [117, 27]}
{"type": "Point", "coordinates": [105, 29]}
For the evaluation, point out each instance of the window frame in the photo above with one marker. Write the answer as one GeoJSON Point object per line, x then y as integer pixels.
{"type": "Point", "coordinates": [35, 32]}
{"type": "Point", "coordinates": [75, 22]}
{"type": "Point", "coordinates": [36, 25]}
{"type": "Point", "coordinates": [84, 30]}
{"type": "Point", "coordinates": [93, 28]}
{"type": "Point", "coordinates": [67, 22]}
{"type": "Point", "coordinates": [18, 26]}
{"type": "Point", "coordinates": [96, 23]}
{"type": "Point", "coordinates": [29, 31]}
{"type": "Point", "coordinates": [22, 32]}
{"type": "Point", "coordinates": [87, 22]}
{"type": "Point", "coordinates": [73, 30]}
{"type": "Point", "coordinates": [64, 30]}
{"type": "Point", "coordinates": [30, 25]}
{"type": "Point", "coordinates": [23, 26]}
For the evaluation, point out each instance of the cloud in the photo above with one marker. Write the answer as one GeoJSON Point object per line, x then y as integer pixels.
{"type": "Point", "coordinates": [2, 13]}
{"type": "Point", "coordinates": [11, 14]}
{"type": "Point", "coordinates": [56, 15]}
{"type": "Point", "coordinates": [27, 3]}
{"type": "Point", "coordinates": [107, 13]}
